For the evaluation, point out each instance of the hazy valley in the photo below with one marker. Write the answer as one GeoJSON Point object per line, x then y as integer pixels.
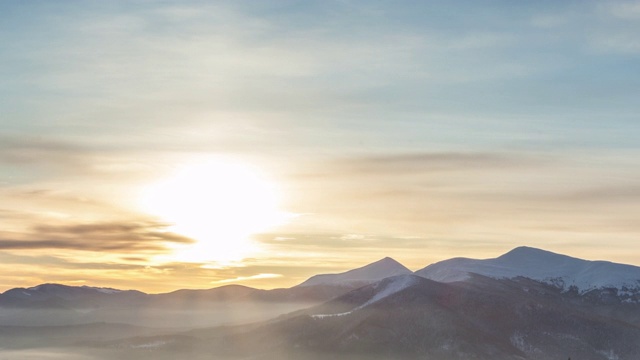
{"type": "Point", "coordinates": [526, 304]}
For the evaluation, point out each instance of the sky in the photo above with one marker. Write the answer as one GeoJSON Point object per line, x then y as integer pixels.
{"type": "Point", "coordinates": [159, 145]}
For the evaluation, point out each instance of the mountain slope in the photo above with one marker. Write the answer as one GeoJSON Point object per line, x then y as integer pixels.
{"type": "Point", "coordinates": [378, 270]}
{"type": "Point", "coordinates": [66, 297]}
{"type": "Point", "coordinates": [563, 271]}
{"type": "Point", "coordinates": [409, 317]}
{"type": "Point", "coordinates": [55, 304]}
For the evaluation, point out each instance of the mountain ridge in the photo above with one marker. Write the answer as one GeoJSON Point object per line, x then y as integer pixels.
{"type": "Point", "coordinates": [374, 271]}
{"type": "Point", "coordinates": [563, 271]}
{"type": "Point", "coordinates": [502, 315]}
{"type": "Point", "coordinates": [410, 317]}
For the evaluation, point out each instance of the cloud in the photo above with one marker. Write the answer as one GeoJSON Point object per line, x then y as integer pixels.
{"type": "Point", "coordinates": [629, 10]}
{"type": "Point", "coordinates": [408, 199]}
{"type": "Point", "coordinates": [629, 193]}
{"type": "Point", "coordinates": [114, 96]}
{"type": "Point", "coordinates": [615, 28]}
{"type": "Point", "coordinates": [421, 162]}
{"type": "Point", "coordinates": [42, 159]}
{"type": "Point", "coordinates": [97, 237]}
{"type": "Point", "coordinates": [331, 241]}
{"type": "Point", "coordinates": [413, 176]}
{"type": "Point", "coordinates": [30, 157]}
{"type": "Point", "coordinates": [54, 262]}
{"type": "Point", "coordinates": [624, 43]}
{"type": "Point", "coordinates": [17, 144]}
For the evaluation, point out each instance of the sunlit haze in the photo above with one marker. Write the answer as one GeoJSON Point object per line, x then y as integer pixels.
{"type": "Point", "coordinates": [218, 203]}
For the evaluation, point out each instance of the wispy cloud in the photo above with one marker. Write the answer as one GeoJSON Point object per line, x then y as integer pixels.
{"type": "Point", "coordinates": [624, 9]}
{"type": "Point", "coordinates": [623, 42]}
{"type": "Point", "coordinates": [615, 27]}
{"type": "Point", "coordinates": [414, 163]}
{"type": "Point", "coordinates": [54, 262]}
{"type": "Point", "coordinates": [98, 237]}
{"type": "Point", "coordinates": [411, 199]}
{"type": "Point", "coordinates": [319, 241]}
{"type": "Point", "coordinates": [26, 159]}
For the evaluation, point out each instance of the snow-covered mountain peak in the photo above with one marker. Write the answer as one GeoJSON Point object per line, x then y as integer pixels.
{"type": "Point", "coordinates": [525, 255]}
{"type": "Point", "coordinates": [375, 271]}
{"type": "Point", "coordinates": [559, 270]}
{"type": "Point", "coordinates": [384, 266]}
{"type": "Point", "coordinates": [525, 252]}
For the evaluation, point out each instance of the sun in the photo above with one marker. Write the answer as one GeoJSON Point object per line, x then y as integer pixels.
{"type": "Point", "coordinates": [220, 204]}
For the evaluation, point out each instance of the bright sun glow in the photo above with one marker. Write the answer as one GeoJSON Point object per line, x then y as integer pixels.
{"type": "Point", "coordinates": [218, 203]}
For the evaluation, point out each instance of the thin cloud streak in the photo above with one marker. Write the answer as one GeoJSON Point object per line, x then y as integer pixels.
{"type": "Point", "coordinates": [415, 163]}
{"type": "Point", "coordinates": [100, 237]}
{"type": "Point", "coordinates": [454, 195]}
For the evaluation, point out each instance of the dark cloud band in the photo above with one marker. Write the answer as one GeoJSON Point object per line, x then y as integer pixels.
{"type": "Point", "coordinates": [108, 237]}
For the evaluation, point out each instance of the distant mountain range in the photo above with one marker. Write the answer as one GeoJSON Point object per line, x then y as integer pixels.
{"type": "Point", "coordinates": [526, 304]}
{"type": "Point", "coordinates": [410, 317]}
{"type": "Point", "coordinates": [564, 272]}
{"type": "Point", "coordinates": [561, 271]}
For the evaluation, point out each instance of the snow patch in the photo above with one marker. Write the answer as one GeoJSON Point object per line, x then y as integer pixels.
{"type": "Point", "coordinates": [108, 291]}
{"type": "Point", "coordinates": [391, 286]}
{"type": "Point", "coordinates": [397, 284]}
{"type": "Point", "coordinates": [519, 341]}
{"type": "Point", "coordinates": [610, 355]}
{"type": "Point", "coordinates": [322, 316]}
{"type": "Point", "coordinates": [102, 290]}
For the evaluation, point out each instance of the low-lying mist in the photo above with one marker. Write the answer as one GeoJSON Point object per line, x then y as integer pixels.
{"type": "Point", "coordinates": [181, 317]}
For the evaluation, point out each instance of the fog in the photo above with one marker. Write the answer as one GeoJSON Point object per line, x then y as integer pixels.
{"type": "Point", "coordinates": [181, 317]}
{"type": "Point", "coordinates": [45, 354]}
{"type": "Point", "coordinates": [127, 333]}
{"type": "Point", "coordinates": [224, 332]}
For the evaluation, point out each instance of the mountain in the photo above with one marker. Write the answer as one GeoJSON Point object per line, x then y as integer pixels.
{"type": "Point", "coordinates": [480, 317]}
{"type": "Point", "coordinates": [196, 297]}
{"type": "Point", "coordinates": [410, 317]}
{"type": "Point", "coordinates": [50, 336]}
{"type": "Point", "coordinates": [56, 305]}
{"type": "Point", "coordinates": [66, 297]}
{"type": "Point", "coordinates": [564, 272]}
{"type": "Point", "coordinates": [596, 279]}
{"type": "Point", "coordinates": [528, 304]}
{"type": "Point", "coordinates": [375, 271]}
